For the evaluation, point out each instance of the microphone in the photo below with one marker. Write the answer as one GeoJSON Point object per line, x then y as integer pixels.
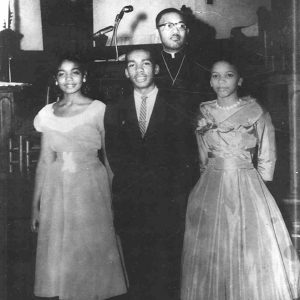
{"type": "Point", "coordinates": [103, 31]}
{"type": "Point", "coordinates": [125, 9]}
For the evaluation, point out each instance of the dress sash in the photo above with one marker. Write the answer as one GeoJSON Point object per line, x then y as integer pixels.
{"type": "Point", "coordinates": [230, 163]}
{"type": "Point", "coordinates": [73, 160]}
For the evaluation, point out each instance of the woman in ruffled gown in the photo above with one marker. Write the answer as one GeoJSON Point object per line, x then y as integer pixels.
{"type": "Point", "coordinates": [77, 255]}
{"type": "Point", "coordinates": [236, 244]}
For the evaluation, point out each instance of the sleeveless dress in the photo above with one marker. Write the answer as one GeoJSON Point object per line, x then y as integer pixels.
{"type": "Point", "coordinates": [236, 245]}
{"type": "Point", "coordinates": [77, 255]}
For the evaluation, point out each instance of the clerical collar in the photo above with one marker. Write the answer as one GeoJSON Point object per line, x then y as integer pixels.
{"type": "Point", "coordinates": [172, 55]}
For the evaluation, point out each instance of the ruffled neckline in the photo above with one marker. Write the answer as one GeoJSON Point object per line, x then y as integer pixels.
{"type": "Point", "coordinates": [47, 119]}
{"type": "Point", "coordinates": [248, 112]}
{"type": "Point", "coordinates": [69, 117]}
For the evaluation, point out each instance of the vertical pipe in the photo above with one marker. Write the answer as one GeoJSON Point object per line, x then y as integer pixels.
{"type": "Point", "coordinates": [21, 154]}
{"type": "Point", "coordinates": [294, 122]}
{"type": "Point", "coordinates": [10, 154]}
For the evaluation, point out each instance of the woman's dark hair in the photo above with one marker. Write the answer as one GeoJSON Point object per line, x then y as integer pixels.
{"type": "Point", "coordinates": [82, 65]}
{"type": "Point", "coordinates": [231, 61]}
{"type": "Point", "coordinates": [75, 58]}
{"type": "Point", "coordinates": [239, 66]}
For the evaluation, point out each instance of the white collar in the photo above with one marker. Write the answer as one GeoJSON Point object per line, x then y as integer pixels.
{"type": "Point", "coordinates": [152, 93]}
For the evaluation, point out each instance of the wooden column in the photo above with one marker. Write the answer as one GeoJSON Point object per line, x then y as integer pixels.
{"type": "Point", "coordinates": [6, 128]}
{"type": "Point", "coordinates": [293, 199]}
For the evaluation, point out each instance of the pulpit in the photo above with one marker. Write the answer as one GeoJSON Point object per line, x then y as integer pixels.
{"type": "Point", "coordinates": [7, 108]}
{"type": "Point", "coordinates": [6, 125]}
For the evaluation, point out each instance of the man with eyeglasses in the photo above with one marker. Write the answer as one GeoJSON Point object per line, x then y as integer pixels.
{"type": "Point", "coordinates": [179, 69]}
{"type": "Point", "coordinates": [181, 78]}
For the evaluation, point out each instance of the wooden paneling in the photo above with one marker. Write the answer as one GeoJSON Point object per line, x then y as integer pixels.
{"type": "Point", "coordinates": [6, 126]}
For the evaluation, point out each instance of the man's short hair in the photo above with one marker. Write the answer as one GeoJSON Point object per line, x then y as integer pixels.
{"type": "Point", "coordinates": [152, 57]}
{"type": "Point", "coordinates": [169, 10]}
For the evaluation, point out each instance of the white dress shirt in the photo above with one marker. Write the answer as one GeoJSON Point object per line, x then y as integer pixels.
{"type": "Point", "coordinates": [151, 97]}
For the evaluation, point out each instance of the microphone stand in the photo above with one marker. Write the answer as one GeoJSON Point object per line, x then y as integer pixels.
{"type": "Point", "coordinates": [118, 19]}
{"type": "Point", "coordinates": [115, 33]}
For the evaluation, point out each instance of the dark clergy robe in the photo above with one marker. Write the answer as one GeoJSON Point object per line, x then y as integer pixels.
{"type": "Point", "coordinates": [191, 75]}
{"type": "Point", "coordinates": [183, 77]}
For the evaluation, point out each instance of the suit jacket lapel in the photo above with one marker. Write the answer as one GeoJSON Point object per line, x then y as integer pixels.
{"type": "Point", "coordinates": [157, 116]}
{"type": "Point", "coordinates": [131, 115]}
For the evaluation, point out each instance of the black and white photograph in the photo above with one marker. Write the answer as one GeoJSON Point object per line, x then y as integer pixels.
{"type": "Point", "coordinates": [149, 150]}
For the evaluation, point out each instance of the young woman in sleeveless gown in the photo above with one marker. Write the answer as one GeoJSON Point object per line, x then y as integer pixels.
{"type": "Point", "coordinates": [77, 255]}
{"type": "Point", "coordinates": [236, 245]}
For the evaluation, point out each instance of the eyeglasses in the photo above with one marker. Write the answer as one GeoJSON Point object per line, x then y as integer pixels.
{"type": "Point", "coordinates": [169, 26]}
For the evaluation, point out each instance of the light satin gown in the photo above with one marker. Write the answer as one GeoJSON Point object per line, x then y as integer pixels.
{"type": "Point", "coordinates": [77, 254]}
{"type": "Point", "coordinates": [236, 245]}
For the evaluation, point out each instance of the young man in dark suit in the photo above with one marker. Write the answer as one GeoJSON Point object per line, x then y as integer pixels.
{"type": "Point", "coordinates": [147, 151]}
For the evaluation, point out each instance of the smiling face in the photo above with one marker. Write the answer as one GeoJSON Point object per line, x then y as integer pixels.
{"type": "Point", "coordinates": [224, 80]}
{"type": "Point", "coordinates": [69, 77]}
{"type": "Point", "coordinates": [141, 70]}
{"type": "Point", "coordinates": [172, 39]}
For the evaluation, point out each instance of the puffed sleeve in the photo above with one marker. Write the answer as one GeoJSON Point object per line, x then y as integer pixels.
{"type": "Point", "coordinates": [266, 157]}
{"type": "Point", "coordinates": [38, 121]}
{"type": "Point", "coordinates": [100, 115]}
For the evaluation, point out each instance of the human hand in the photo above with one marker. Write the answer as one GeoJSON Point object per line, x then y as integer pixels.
{"type": "Point", "coordinates": [35, 220]}
{"type": "Point", "coordinates": [204, 124]}
{"type": "Point", "coordinates": [201, 123]}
